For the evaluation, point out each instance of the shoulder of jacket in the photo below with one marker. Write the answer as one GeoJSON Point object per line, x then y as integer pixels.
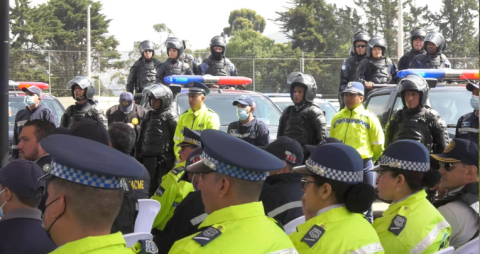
{"type": "Point", "coordinates": [431, 114]}
{"type": "Point", "coordinates": [211, 111]}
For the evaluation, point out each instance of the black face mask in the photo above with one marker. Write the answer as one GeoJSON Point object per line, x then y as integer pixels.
{"type": "Point", "coordinates": [49, 228]}
{"type": "Point", "coordinates": [217, 55]}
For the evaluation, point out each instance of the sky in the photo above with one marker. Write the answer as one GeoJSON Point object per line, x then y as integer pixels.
{"type": "Point", "coordinates": [195, 21]}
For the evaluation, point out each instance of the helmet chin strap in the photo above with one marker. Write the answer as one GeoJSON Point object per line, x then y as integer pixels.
{"type": "Point", "coordinates": [80, 98]}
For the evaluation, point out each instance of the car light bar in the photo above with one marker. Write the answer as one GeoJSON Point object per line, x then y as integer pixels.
{"type": "Point", "coordinates": [24, 84]}
{"type": "Point", "coordinates": [441, 73]}
{"type": "Point", "coordinates": [207, 79]}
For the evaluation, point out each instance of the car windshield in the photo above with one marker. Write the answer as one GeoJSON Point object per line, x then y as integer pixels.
{"type": "Point", "coordinates": [16, 104]}
{"type": "Point", "coordinates": [450, 104]}
{"type": "Point", "coordinates": [222, 105]}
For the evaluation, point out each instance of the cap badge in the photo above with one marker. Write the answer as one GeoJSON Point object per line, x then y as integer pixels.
{"type": "Point", "coordinates": [449, 147]}
{"type": "Point", "coordinates": [125, 103]}
{"type": "Point", "coordinates": [135, 121]}
{"type": "Point", "coordinates": [46, 168]}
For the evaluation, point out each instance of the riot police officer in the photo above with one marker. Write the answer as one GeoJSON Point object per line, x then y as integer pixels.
{"type": "Point", "coordinates": [417, 121]}
{"type": "Point", "coordinates": [416, 41]}
{"type": "Point", "coordinates": [84, 107]}
{"type": "Point", "coordinates": [193, 63]}
{"type": "Point", "coordinates": [144, 70]}
{"type": "Point", "coordinates": [173, 65]}
{"type": "Point", "coordinates": [376, 68]}
{"type": "Point", "coordinates": [358, 52]}
{"type": "Point", "coordinates": [304, 121]}
{"type": "Point", "coordinates": [217, 64]}
{"type": "Point", "coordinates": [433, 58]}
{"type": "Point", "coordinates": [154, 145]}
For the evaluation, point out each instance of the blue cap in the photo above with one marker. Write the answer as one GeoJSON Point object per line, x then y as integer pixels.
{"type": "Point", "coordinates": [459, 150]}
{"type": "Point", "coordinates": [286, 149]}
{"type": "Point", "coordinates": [190, 138]}
{"type": "Point", "coordinates": [245, 100]}
{"type": "Point", "coordinates": [88, 162]}
{"type": "Point", "coordinates": [34, 90]}
{"type": "Point", "coordinates": [405, 154]}
{"type": "Point", "coordinates": [354, 87]}
{"type": "Point", "coordinates": [197, 87]}
{"type": "Point", "coordinates": [337, 162]}
{"type": "Point", "coordinates": [21, 177]}
{"type": "Point", "coordinates": [234, 157]}
{"type": "Point", "coordinates": [310, 148]}
{"type": "Point", "coordinates": [126, 102]}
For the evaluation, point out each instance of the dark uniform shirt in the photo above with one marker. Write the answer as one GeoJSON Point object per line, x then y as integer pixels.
{"type": "Point", "coordinates": [125, 220]}
{"type": "Point", "coordinates": [254, 132]}
{"type": "Point", "coordinates": [282, 197]}
{"type": "Point", "coordinates": [135, 117]}
{"type": "Point", "coordinates": [185, 221]}
{"type": "Point", "coordinates": [141, 185]}
{"type": "Point", "coordinates": [21, 232]}
{"type": "Point", "coordinates": [25, 115]}
{"type": "Point", "coordinates": [467, 127]}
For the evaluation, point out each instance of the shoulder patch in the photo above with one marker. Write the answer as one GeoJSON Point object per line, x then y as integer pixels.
{"type": "Point", "coordinates": [148, 246]}
{"type": "Point", "coordinates": [313, 235]}
{"type": "Point", "coordinates": [398, 224]}
{"type": "Point", "coordinates": [177, 171]}
{"type": "Point", "coordinates": [160, 191]}
{"type": "Point", "coordinates": [207, 235]}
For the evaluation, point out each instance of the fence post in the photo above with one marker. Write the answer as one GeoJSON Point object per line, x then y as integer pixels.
{"type": "Point", "coordinates": [99, 83]}
{"type": "Point", "coordinates": [49, 74]}
{"type": "Point", "coordinates": [253, 77]}
{"type": "Point", "coordinates": [302, 62]}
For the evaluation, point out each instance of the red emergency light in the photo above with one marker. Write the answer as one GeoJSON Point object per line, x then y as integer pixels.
{"type": "Point", "coordinates": [25, 84]}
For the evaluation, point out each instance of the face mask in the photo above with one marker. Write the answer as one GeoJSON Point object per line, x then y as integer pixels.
{"type": "Point", "coordinates": [1, 207]}
{"type": "Point", "coordinates": [474, 102]}
{"type": "Point", "coordinates": [29, 100]}
{"type": "Point", "coordinates": [51, 225]}
{"type": "Point", "coordinates": [242, 114]}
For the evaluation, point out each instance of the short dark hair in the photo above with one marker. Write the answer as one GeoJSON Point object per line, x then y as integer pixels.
{"type": "Point", "coordinates": [43, 128]}
{"type": "Point", "coordinates": [122, 137]}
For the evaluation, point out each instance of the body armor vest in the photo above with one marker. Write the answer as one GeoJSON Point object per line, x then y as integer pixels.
{"type": "Point", "coordinates": [379, 71]}
{"type": "Point", "coordinates": [173, 69]}
{"type": "Point", "coordinates": [413, 127]}
{"type": "Point", "coordinates": [76, 115]}
{"type": "Point", "coordinates": [147, 72]}
{"type": "Point", "coordinates": [157, 135]}
{"type": "Point", "coordinates": [429, 62]}
{"type": "Point", "coordinates": [354, 63]}
{"type": "Point", "coordinates": [217, 68]}
{"type": "Point", "coordinates": [296, 125]}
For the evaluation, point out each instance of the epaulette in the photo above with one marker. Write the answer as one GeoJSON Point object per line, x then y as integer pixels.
{"type": "Point", "coordinates": [178, 170]}
{"type": "Point", "coordinates": [313, 235]}
{"type": "Point", "coordinates": [145, 247]}
{"type": "Point", "coordinates": [207, 235]}
{"type": "Point", "coordinates": [211, 110]}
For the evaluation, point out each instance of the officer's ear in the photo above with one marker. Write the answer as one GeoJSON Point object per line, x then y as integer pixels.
{"type": "Point", "coordinates": [226, 184]}
{"type": "Point", "coordinates": [401, 180]}
{"type": "Point", "coordinates": [325, 191]}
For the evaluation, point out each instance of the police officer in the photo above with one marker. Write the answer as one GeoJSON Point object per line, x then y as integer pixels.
{"type": "Point", "coordinates": [360, 129]}
{"type": "Point", "coordinates": [127, 112]}
{"type": "Point", "coordinates": [86, 176]}
{"type": "Point", "coordinates": [434, 44]}
{"type": "Point", "coordinates": [173, 188]}
{"type": "Point", "coordinates": [173, 65]}
{"type": "Point", "coordinates": [416, 41]}
{"type": "Point", "coordinates": [459, 170]}
{"type": "Point", "coordinates": [122, 138]}
{"type": "Point", "coordinates": [247, 127]}
{"type": "Point", "coordinates": [304, 121]}
{"type": "Point", "coordinates": [467, 125]}
{"type": "Point", "coordinates": [188, 214]}
{"type": "Point", "coordinates": [33, 110]}
{"type": "Point", "coordinates": [155, 143]}
{"type": "Point", "coordinates": [377, 68]}
{"type": "Point", "coordinates": [417, 121]}
{"type": "Point", "coordinates": [198, 117]}
{"type": "Point", "coordinates": [193, 63]}
{"type": "Point", "coordinates": [21, 229]}
{"type": "Point", "coordinates": [217, 64]}
{"type": "Point", "coordinates": [84, 107]}
{"type": "Point", "coordinates": [411, 224]}
{"type": "Point", "coordinates": [358, 52]}
{"type": "Point", "coordinates": [144, 70]}
{"type": "Point", "coordinates": [282, 193]}
{"type": "Point", "coordinates": [334, 200]}
{"type": "Point", "coordinates": [230, 183]}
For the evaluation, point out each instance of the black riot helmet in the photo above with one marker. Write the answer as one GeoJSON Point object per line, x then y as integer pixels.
{"type": "Point", "coordinates": [358, 36]}
{"type": "Point", "coordinates": [377, 42]}
{"type": "Point", "coordinates": [306, 81]}
{"type": "Point", "coordinates": [84, 83]}
{"type": "Point", "coordinates": [417, 33]}
{"type": "Point", "coordinates": [413, 82]}
{"type": "Point", "coordinates": [218, 41]}
{"type": "Point", "coordinates": [175, 43]}
{"type": "Point", "coordinates": [162, 92]}
{"type": "Point", "coordinates": [437, 39]}
{"type": "Point", "coordinates": [147, 45]}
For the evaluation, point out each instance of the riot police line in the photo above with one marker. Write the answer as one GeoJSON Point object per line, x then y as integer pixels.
{"type": "Point", "coordinates": [213, 187]}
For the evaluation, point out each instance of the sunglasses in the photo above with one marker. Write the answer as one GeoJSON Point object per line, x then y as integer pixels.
{"type": "Point", "coordinates": [360, 46]}
{"type": "Point", "coordinates": [148, 50]}
{"type": "Point", "coordinates": [305, 183]}
{"type": "Point", "coordinates": [447, 166]}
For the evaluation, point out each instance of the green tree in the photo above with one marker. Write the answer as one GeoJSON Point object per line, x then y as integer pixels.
{"type": "Point", "coordinates": [244, 19]}
{"type": "Point", "coordinates": [348, 23]}
{"type": "Point", "coordinates": [414, 17]}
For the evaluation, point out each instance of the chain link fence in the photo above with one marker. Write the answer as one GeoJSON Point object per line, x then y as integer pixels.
{"type": "Point", "coordinates": [110, 72]}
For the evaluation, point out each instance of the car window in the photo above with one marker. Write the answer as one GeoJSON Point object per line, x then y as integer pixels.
{"type": "Point", "coordinates": [283, 104]}
{"type": "Point", "coordinates": [329, 110]}
{"type": "Point", "coordinates": [377, 103]}
{"type": "Point", "coordinates": [222, 105]}
{"type": "Point", "coordinates": [450, 104]}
